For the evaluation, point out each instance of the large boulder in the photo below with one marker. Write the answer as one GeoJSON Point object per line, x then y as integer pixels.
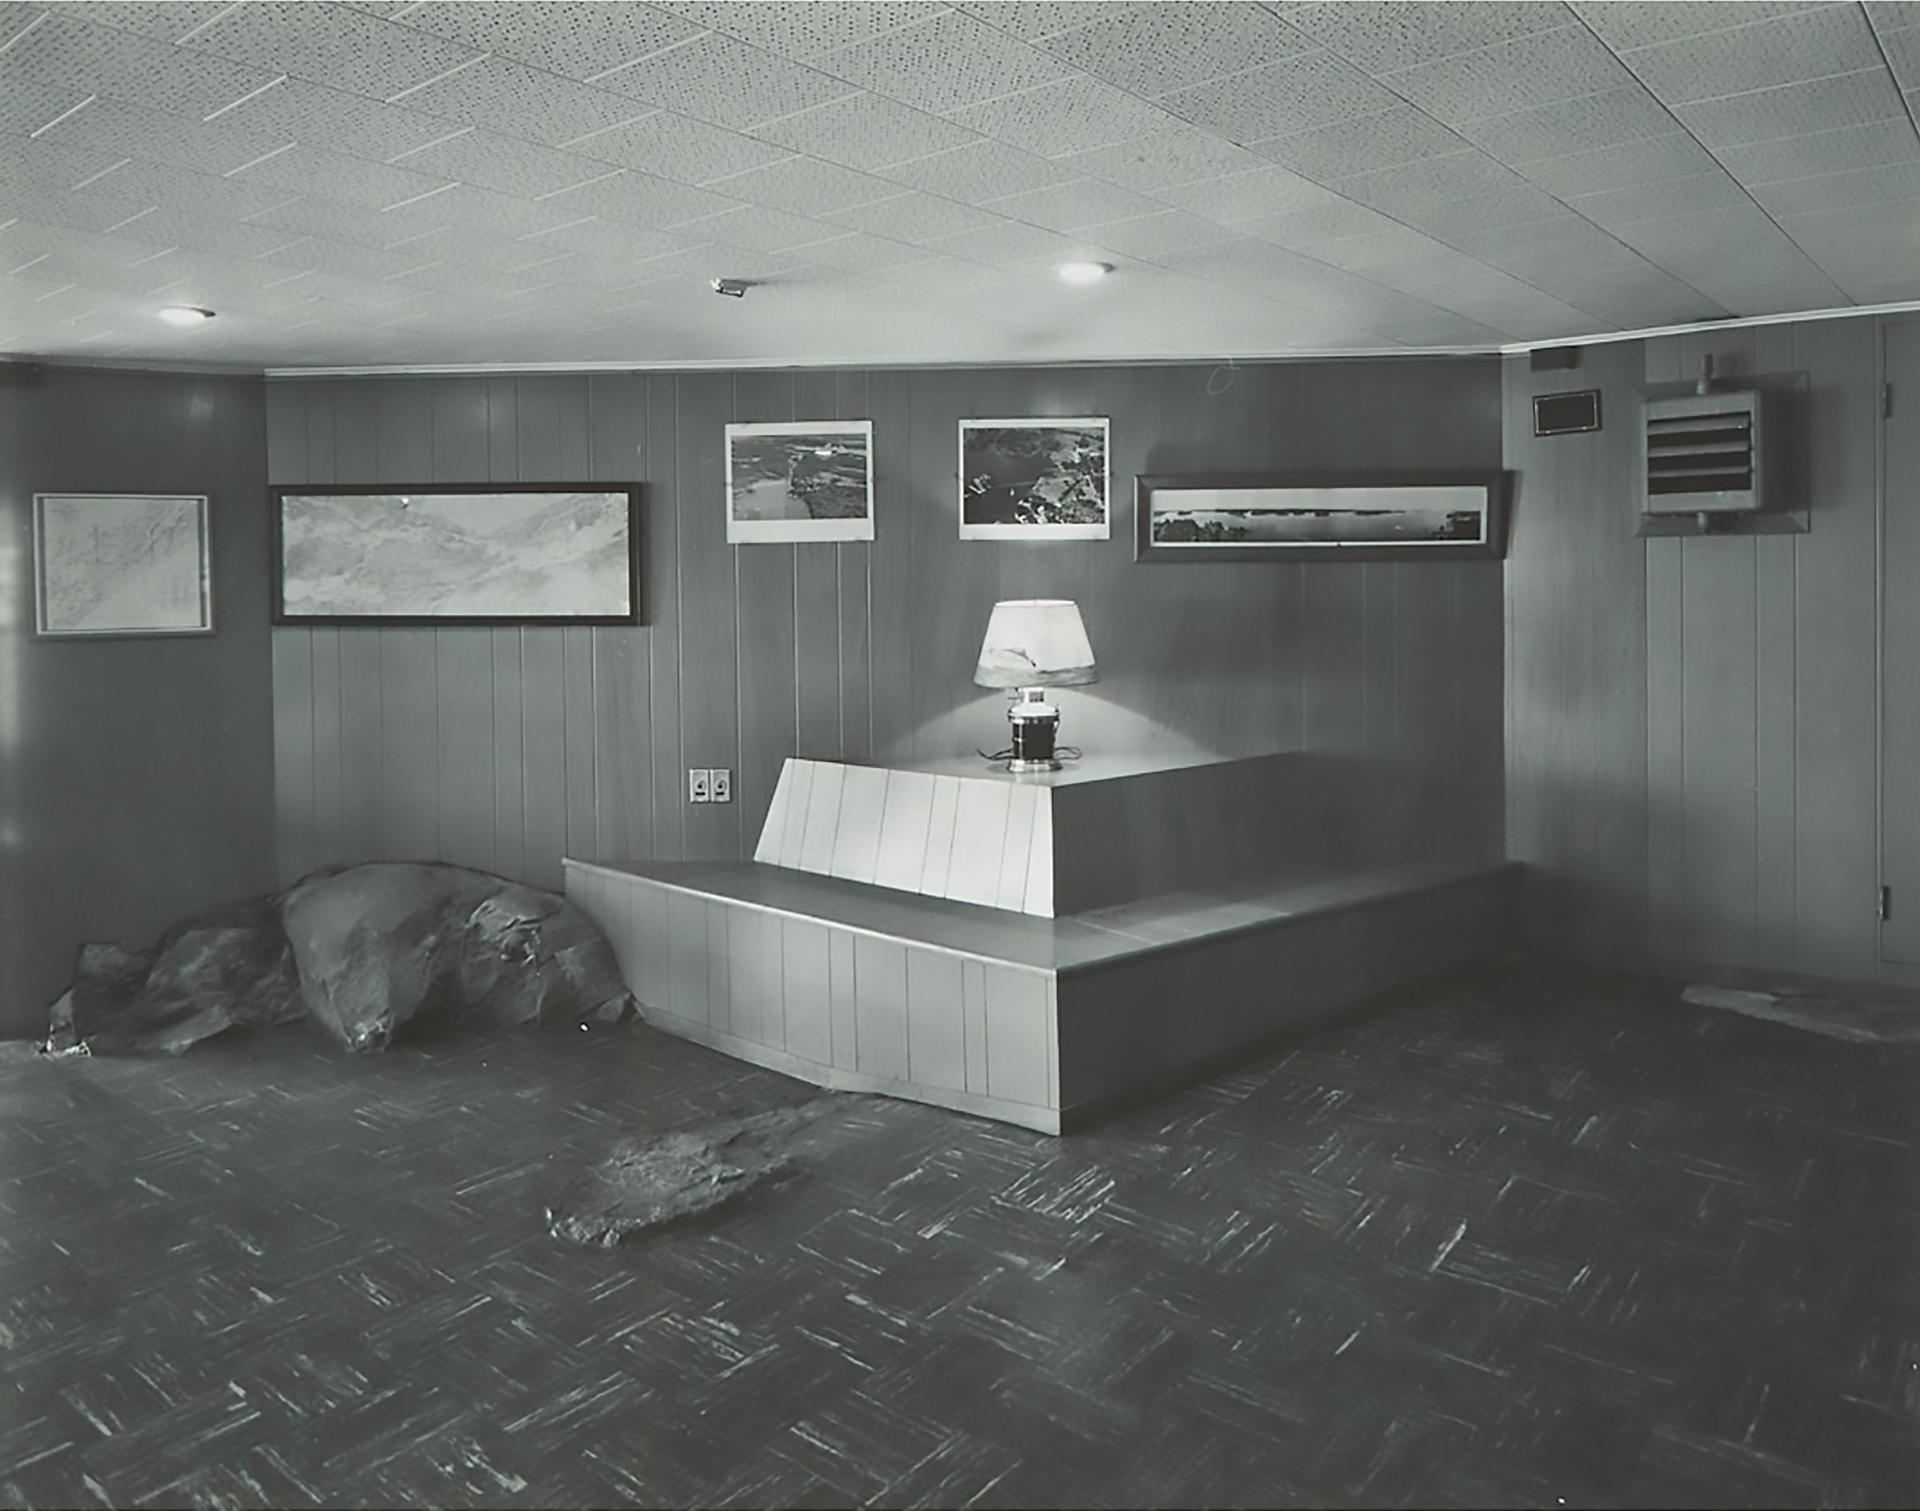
{"type": "Point", "coordinates": [224, 969]}
{"type": "Point", "coordinates": [379, 947]}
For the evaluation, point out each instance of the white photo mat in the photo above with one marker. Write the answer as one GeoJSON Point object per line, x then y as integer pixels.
{"type": "Point", "coordinates": [121, 564]}
{"type": "Point", "coordinates": [832, 460]}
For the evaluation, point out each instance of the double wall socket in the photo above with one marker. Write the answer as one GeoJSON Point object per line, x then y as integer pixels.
{"type": "Point", "coordinates": [709, 784]}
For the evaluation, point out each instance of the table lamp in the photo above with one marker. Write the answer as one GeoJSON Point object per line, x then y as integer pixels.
{"type": "Point", "coordinates": [1033, 644]}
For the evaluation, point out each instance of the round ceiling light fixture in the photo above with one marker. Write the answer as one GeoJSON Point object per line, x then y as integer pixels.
{"type": "Point", "coordinates": [1083, 273]}
{"type": "Point", "coordinates": [185, 314]}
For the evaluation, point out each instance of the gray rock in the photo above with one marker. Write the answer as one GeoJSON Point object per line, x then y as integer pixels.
{"type": "Point", "coordinates": [646, 1183]}
{"type": "Point", "coordinates": [383, 946]}
{"type": "Point", "coordinates": [225, 969]}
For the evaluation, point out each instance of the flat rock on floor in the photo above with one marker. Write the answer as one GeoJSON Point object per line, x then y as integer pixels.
{"type": "Point", "coordinates": [648, 1182]}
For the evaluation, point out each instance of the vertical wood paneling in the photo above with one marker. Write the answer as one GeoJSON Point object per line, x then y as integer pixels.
{"type": "Point", "coordinates": [808, 987]}
{"type": "Point", "coordinates": [524, 744]}
{"type": "Point", "coordinates": [880, 1006]}
{"type": "Point", "coordinates": [936, 1023]}
{"type": "Point", "coordinates": [1900, 649]}
{"type": "Point", "coordinates": [1666, 748]}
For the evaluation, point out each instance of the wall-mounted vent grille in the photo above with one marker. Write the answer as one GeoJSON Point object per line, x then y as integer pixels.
{"type": "Point", "coordinates": [1703, 453]}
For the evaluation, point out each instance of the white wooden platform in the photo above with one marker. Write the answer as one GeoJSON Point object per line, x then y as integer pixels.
{"type": "Point", "coordinates": [926, 992]}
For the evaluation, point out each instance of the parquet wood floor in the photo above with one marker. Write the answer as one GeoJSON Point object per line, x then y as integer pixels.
{"type": "Point", "coordinates": [1527, 1238]}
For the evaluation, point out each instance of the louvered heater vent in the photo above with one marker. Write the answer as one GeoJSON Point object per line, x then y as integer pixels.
{"type": "Point", "coordinates": [1703, 454]}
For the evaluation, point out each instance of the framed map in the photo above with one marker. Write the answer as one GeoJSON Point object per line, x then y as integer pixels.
{"type": "Point", "coordinates": [527, 553]}
{"type": "Point", "coordinates": [121, 564]}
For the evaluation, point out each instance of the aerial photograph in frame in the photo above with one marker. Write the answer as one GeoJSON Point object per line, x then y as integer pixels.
{"type": "Point", "coordinates": [790, 482]}
{"type": "Point", "coordinates": [1038, 479]}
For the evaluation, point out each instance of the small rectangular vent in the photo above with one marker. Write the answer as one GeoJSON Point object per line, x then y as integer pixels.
{"type": "Point", "coordinates": [1703, 453]}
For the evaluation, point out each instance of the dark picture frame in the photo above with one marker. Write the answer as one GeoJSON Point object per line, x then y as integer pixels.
{"type": "Point", "coordinates": [365, 557]}
{"type": "Point", "coordinates": [1321, 516]}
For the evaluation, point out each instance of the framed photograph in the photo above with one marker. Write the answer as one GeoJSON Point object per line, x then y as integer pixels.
{"type": "Point", "coordinates": [1382, 516]}
{"type": "Point", "coordinates": [1033, 479]}
{"type": "Point", "coordinates": [800, 480]}
{"type": "Point", "coordinates": [532, 553]}
{"type": "Point", "coordinates": [121, 564]}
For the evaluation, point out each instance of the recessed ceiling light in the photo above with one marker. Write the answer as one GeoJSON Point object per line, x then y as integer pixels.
{"type": "Point", "coordinates": [1084, 272]}
{"type": "Point", "coordinates": [185, 314]}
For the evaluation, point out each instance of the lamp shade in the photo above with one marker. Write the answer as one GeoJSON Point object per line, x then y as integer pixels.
{"type": "Point", "coordinates": [1035, 642]}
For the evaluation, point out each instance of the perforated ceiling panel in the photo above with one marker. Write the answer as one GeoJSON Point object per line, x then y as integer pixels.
{"type": "Point", "coordinates": [556, 180]}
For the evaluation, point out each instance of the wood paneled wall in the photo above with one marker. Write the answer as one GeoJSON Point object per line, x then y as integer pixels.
{"type": "Point", "coordinates": [508, 748]}
{"type": "Point", "coordinates": [1691, 742]}
{"type": "Point", "coordinates": [136, 775]}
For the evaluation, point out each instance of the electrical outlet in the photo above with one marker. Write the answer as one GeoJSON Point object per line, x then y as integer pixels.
{"type": "Point", "coordinates": [720, 784]}
{"type": "Point", "coordinates": [699, 784]}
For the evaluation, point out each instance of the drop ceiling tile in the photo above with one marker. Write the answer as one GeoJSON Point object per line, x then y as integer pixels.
{"type": "Point", "coordinates": [1505, 207]}
{"type": "Point", "coordinates": [1681, 196]}
{"type": "Point", "coordinates": [1768, 288]}
{"type": "Point", "coordinates": [639, 199]}
{"type": "Point", "coordinates": [1310, 89]}
{"type": "Point", "coordinates": [1319, 223]}
{"type": "Point", "coordinates": [66, 57]}
{"type": "Point", "coordinates": [1394, 255]}
{"type": "Point", "coordinates": [674, 146]}
{"type": "Point", "coordinates": [179, 228]}
{"type": "Point", "coordinates": [1814, 44]}
{"type": "Point", "coordinates": [1624, 24]}
{"type": "Point", "coordinates": [1245, 196]}
{"type": "Point", "coordinates": [111, 126]}
{"type": "Point", "coordinates": [1067, 207]}
{"type": "Point", "coordinates": [1153, 236]}
{"type": "Point", "coordinates": [856, 252]}
{"type": "Point", "coordinates": [1903, 55]}
{"type": "Point", "coordinates": [1180, 154]}
{"type": "Point", "coordinates": [162, 20]}
{"type": "Point", "coordinates": [1739, 230]}
{"type": "Point", "coordinates": [1152, 49]}
{"type": "Point", "coordinates": [505, 164]}
{"type": "Point", "coordinates": [1596, 120]}
{"type": "Point", "coordinates": [803, 32]}
{"type": "Point", "coordinates": [1650, 160]}
{"type": "Point", "coordinates": [41, 161]}
{"type": "Point", "coordinates": [1893, 15]}
{"type": "Point", "coordinates": [294, 110]}
{"type": "Point", "coordinates": [327, 44]}
{"type": "Point", "coordinates": [188, 192]}
{"type": "Point", "coordinates": [1538, 69]}
{"type": "Point", "coordinates": [346, 258]}
{"type": "Point", "coordinates": [1636, 299]}
{"type": "Point", "coordinates": [510, 97]}
{"type": "Point", "coordinates": [864, 131]}
{"type": "Point", "coordinates": [468, 205]}
{"type": "Point", "coordinates": [714, 78]}
{"type": "Point", "coordinates": [1382, 38]}
{"type": "Point", "coordinates": [1874, 145]}
{"type": "Point", "coordinates": [314, 170]}
{"type": "Point", "coordinates": [1033, 20]}
{"type": "Point", "coordinates": [981, 171]}
{"type": "Point", "coordinates": [914, 217]}
{"type": "Point", "coordinates": [805, 185]}
{"type": "Point", "coordinates": [977, 63]}
{"type": "Point", "coordinates": [1556, 255]}
{"type": "Point", "coordinates": [758, 229]}
{"type": "Point", "coordinates": [1011, 243]}
{"type": "Point", "coordinates": [1793, 109]}
{"type": "Point", "coordinates": [610, 240]}
{"type": "Point", "coordinates": [574, 41]}
{"type": "Point", "coordinates": [1070, 115]}
{"type": "Point", "coordinates": [1434, 180]}
{"type": "Point", "coordinates": [1385, 140]}
{"type": "Point", "coordinates": [1892, 225]}
{"type": "Point", "coordinates": [1836, 191]}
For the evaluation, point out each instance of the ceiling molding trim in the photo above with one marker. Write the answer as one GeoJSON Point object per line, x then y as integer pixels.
{"type": "Point", "coordinates": [1731, 323]}
{"type": "Point", "coordinates": [761, 364]}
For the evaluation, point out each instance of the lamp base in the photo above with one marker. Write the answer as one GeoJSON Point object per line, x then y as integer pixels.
{"type": "Point", "coordinates": [1034, 722]}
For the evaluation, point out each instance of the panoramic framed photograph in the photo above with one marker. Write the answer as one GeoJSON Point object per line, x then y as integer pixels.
{"type": "Point", "coordinates": [531, 553]}
{"type": "Point", "coordinates": [121, 564]}
{"type": "Point", "coordinates": [1033, 479]}
{"type": "Point", "coordinates": [800, 480]}
{"type": "Point", "coordinates": [1381, 516]}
